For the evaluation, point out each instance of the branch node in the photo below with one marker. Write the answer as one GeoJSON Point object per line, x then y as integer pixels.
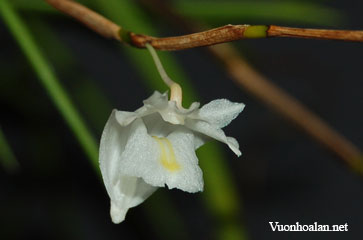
{"type": "Point", "coordinates": [256, 31]}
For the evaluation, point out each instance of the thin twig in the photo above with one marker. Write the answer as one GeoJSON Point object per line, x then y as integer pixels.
{"type": "Point", "coordinates": [91, 19]}
{"type": "Point", "coordinates": [280, 101]}
{"type": "Point", "coordinates": [214, 36]}
{"type": "Point", "coordinates": [344, 35]}
{"type": "Point", "coordinates": [227, 33]}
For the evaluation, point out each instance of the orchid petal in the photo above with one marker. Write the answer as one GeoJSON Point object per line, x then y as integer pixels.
{"type": "Point", "coordinates": [124, 191]}
{"type": "Point", "coordinates": [220, 112]}
{"type": "Point", "coordinates": [211, 131]}
{"type": "Point", "coordinates": [144, 155]}
{"type": "Point", "coordinates": [128, 192]}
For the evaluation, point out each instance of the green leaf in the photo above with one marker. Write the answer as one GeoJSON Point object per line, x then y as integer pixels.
{"type": "Point", "coordinates": [85, 92]}
{"type": "Point", "coordinates": [33, 6]}
{"type": "Point", "coordinates": [49, 80]}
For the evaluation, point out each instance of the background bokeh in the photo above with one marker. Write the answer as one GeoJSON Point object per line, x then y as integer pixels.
{"type": "Point", "coordinates": [283, 175]}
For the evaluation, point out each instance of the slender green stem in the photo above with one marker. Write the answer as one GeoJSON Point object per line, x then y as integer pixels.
{"type": "Point", "coordinates": [49, 80]}
{"type": "Point", "coordinates": [7, 157]}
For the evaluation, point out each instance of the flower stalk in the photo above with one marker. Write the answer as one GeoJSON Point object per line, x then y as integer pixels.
{"type": "Point", "coordinates": [176, 93]}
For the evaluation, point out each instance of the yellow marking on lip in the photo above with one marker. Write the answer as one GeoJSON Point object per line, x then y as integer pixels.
{"type": "Point", "coordinates": [167, 155]}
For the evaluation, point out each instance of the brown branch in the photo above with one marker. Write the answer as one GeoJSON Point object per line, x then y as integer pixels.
{"type": "Point", "coordinates": [214, 36]}
{"type": "Point", "coordinates": [241, 72]}
{"type": "Point", "coordinates": [344, 35]}
{"type": "Point", "coordinates": [91, 19]}
{"type": "Point", "coordinates": [227, 33]}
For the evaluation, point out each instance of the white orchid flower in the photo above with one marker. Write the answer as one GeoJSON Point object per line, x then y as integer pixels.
{"type": "Point", "coordinates": [155, 146]}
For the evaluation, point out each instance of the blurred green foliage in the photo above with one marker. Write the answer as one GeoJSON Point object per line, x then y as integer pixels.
{"type": "Point", "coordinates": [261, 12]}
{"type": "Point", "coordinates": [49, 80]}
{"type": "Point", "coordinates": [7, 157]}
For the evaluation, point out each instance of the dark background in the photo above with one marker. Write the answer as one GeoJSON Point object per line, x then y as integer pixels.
{"type": "Point", "coordinates": [283, 175]}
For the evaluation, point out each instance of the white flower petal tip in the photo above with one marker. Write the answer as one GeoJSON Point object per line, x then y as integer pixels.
{"type": "Point", "coordinates": [125, 118]}
{"type": "Point", "coordinates": [234, 146]}
{"type": "Point", "coordinates": [117, 214]}
{"type": "Point", "coordinates": [221, 112]}
{"type": "Point", "coordinates": [155, 147]}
